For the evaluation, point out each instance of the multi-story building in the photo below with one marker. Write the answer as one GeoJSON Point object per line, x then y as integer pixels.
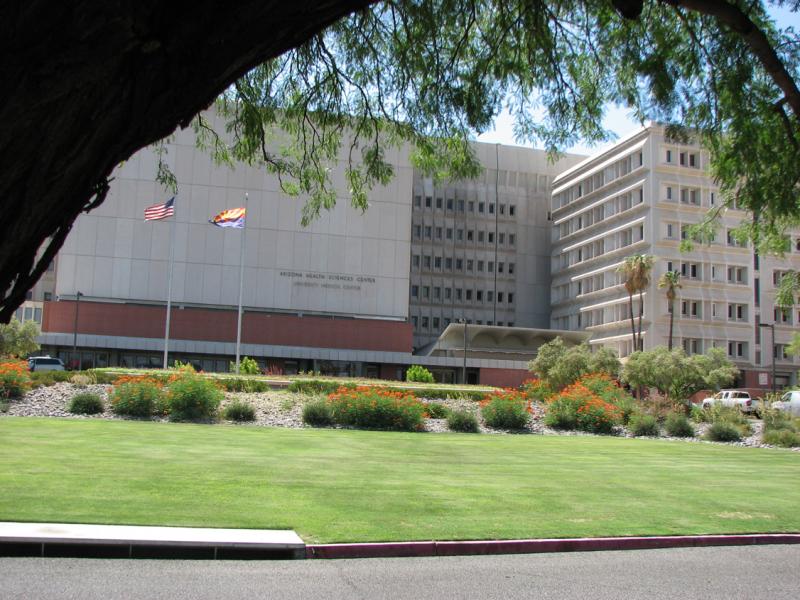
{"type": "Point", "coordinates": [479, 248]}
{"type": "Point", "coordinates": [638, 197]}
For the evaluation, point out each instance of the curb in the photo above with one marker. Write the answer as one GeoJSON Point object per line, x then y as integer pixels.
{"type": "Point", "coordinates": [465, 548]}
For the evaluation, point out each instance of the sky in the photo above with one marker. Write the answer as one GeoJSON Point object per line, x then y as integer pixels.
{"type": "Point", "coordinates": [617, 118]}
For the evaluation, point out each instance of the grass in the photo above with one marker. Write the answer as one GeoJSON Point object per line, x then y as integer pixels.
{"type": "Point", "coordinates": [335, 485]}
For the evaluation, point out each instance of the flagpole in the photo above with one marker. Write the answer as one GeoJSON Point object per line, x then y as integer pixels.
{"type": "Point", "coordinates": [169, 287]}
{"type": "Point", "coordinates": [241, 286]}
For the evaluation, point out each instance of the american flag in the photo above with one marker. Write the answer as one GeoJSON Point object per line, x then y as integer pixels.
{"type": "Point", "coordinates": [160, 211]}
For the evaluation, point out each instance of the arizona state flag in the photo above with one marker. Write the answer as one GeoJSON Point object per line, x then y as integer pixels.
{"type": "Point", "coordinates": [232, 217]}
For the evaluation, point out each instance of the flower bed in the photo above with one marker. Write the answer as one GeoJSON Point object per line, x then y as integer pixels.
{"type": "Point", "coordinates": [373, 408]}
{"type": "Point", "coordinates": [509, 409]}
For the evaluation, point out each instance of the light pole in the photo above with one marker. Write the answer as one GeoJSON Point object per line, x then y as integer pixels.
{"type": "Point", "coordinates": [75, 329]}
{"type": "Point", "coordinates": [464, 368]}
{"type": "Point", "coordinates": [772, 328]}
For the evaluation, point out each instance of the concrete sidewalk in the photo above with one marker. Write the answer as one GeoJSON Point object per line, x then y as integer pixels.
{"type": "Point", "coordinates": [59, 539]}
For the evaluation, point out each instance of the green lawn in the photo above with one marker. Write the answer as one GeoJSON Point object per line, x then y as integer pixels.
{"type": "Point", "coordinates": [356, 485]}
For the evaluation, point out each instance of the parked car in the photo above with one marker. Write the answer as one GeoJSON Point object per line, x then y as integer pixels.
{"type": "Point", "coordinates": [789, 402]}
{"type": "Point", "coordinates": [731, 398]}
{"type": "Point", "coordinates": [45, 363]}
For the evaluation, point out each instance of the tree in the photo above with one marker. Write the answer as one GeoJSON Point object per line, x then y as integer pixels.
{"type": "Point", "coordinates": [677, 375]}
{"type": "Point", "coordinates": [788, 295]}
{"type": "Point", "coordinates": [671, 282]}
{"type": "Point", "coordinates": [636, 271]}
{"type": "Point", "coordinates": [559, 365]}
{"type": "Point", "coordinates": [19, 339]}
{"type": "Point", "coordinates": [100, 80]}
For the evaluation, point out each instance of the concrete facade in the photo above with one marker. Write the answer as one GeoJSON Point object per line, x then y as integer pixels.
{"type": "Point", "coordinates": [637, 198]}
{"type": "Point", "coordinates": [479, 248]}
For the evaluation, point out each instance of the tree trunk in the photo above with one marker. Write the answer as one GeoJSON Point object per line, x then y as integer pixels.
{"type": "Point", "coordinates": [671, 321]}
{"type": "Point", "coordinates": [88, 83]}
{"type": "Point", "coordinates": [641, 313]}
{"type": "Point", "coordinates": [633, 323]}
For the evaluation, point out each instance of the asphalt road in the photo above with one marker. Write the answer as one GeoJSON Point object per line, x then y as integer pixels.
{"type": "Point", "coordinates": [771, 572]}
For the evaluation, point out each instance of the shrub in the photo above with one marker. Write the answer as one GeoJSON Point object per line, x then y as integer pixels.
{"type": "Point", "coordinates": [184, 367]}
{"type": "Point", "coordinates": [698, 415]}
{"type": "Point", "coordinates": [578, 407]}
{"type": "Point", "coordinates": [15, 379]}
{"type": "Point", "coordinates": [462, 421]}
{"type": "Point", "coordinates": [80, 380]}
{"type": "Point", "coordinates": [536, 389]}
{"type": "Point", "coordinates": [598, 416]}
{"type": "Point", "coordinates": [644, 426]}
{"type": "Point", "coordinates": [85, 404]}
{"type": "Point", "coordinates": [242, 384]}
{"type": "Point", "coordinates": [785, 438]}
{"type": "Point", "coordinates": [677, 425]}
{"type": "Point", "coordinates": [777, 419]}
{"type": "Point", "coordinates": [722, 431]}
{"type": "Point", "coordinates": [97, 375]}
{"type": "Point", "coordinates": [436, 410]}
{"type": "Point", "coordinates": [375, 408]}
{"type": "Point", "coordinates": [732, 416]}
{"type": "Point", "coordinates": [193, 398]}
{"type": "Point", "coordinates": [239, 411]}
{"type": "Point", "coordinates": [316, 387]}
{"type": "Point", "coordinates": [247, 366]}
{"type": "Point", "coordinates": [48, 378]}
{"type": "Point", "coordinates": [318, 413]}
{"type": "Point", "coordinates": [562, 413]}
{"type": "Point", "coordinates": [419, 374]}
{"type": "Point", "coordinates": [659, 406]}
{"type": "Point", "coordinates": [142, 398]}
{"type": "Point", "coordinates": [506, 410]}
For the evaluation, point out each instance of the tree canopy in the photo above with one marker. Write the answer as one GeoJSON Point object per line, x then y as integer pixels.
{"type": "Point", "coordinates": [18, 339]}
{"type": "Point", "coordinates": [559, 365]}
{"type": "Point", "coordinates": [101, 81]}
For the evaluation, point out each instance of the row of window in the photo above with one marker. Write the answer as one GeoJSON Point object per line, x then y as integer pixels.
{"type": "Point", "coordinates": [609, 243]}
{"type": "Point", "coordinates": [472, 206]}
{"type": "Point", "coordinates": [429, 232]}
{"type": "Point", "coordinates": [432, 323]}
{"type": "Point", "coordinates": [446, 263]}
{"type": "Point", "coordinates": [714, 272]}
{"type": "Point", "coordinates": [586, 186]}
{"type": "Point", "coordinates": [682, 158]}
{"type": "Point", "coordinates": [427, 292]}
{"type": "Point", "coordinates": [598, 214]}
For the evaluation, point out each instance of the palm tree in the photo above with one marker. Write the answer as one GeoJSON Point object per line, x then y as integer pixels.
{"type": "Point", "coordinates": [671, 282]}
{"type": "Point", "coordinates": [636, 269]}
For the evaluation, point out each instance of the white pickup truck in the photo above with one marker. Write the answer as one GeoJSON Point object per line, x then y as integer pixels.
{"type": "Point", "coordinates": [731, 398]}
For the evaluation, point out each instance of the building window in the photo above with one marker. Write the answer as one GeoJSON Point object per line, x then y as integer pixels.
{"type": "Point", "coordinates": [480, 237]}
{"type": "Point", "coordinates": [460, 235]}
{"type": "Point", "coordinates": [417, 231]}
{"type": "Point", "coordinates": [414, 322]}
{"type": "Point", "coordinates": [428, 231]}
{"type": "Point", "coordinates": [438, 233]}
{"type": "Point", "coordinates": [669, 156]}
{"type": "Point", "coordinates": [460, 206]}
{"type": "Point", "coordinates": [448, 264]}
{"type": "Point", "coordinates": [428, 201]}
{"type": "Point", "coordinates": [437, 262]}
{"type": "Point", "coordinates": [499, 267]}
{"type": "Point", "coordinates": [418, 201]}
{"type": "Point", "coordinates": [449, 204]}
{"type": "Point", "coordinates": [449, 233]}
{"type": "Point", "coordinates": [48, 296]}
{"type": "Point", "coordinates": [480, 266]}
{"type": "Point", "coordinates": [479, 296]}
{"type": "Point", "coordinates": [511, 239]}
{"type": "Point", "coordinates": [414, 291]}
{"type": "Point", "coordinates": [480, 207]}
{"type": "Point", "coordinates": [489, 296]}
{"type": "Point", "coordinates": [437, 293]}
{"type": "Point", "coordinates": [510, 268]}
{"type": "Point", "coordinates": [29, 295]}
{"type": "Point", "coordinates": [439, 203]}
{"type": "Point", "coordinates": [469, 264]}
{"type": "Point", "coordinates": [669, 192]}
{"type": "Point", "coordinates": [426, 291]}
{"type": "Point", "coordinates": [491, 208]}
{"type": "Point", "coordinates": [501, 238]}
{"type": "Point", "coordinates": [491, 266]}
{"type": "Point", "coordinates": [491, 237]}
{"type": "Point", "coordinates": [424, 322]}
{"type": "Point", "coordinates": [415, 261]}
{"type": "Point", "coordinates": [426, 261]}
{"type": "Point", "coordinates": [510, 299]}
{"type": "Point", "coordinates": [471, 206]}
{"type": "Point", "coordinates": [436, 322]}
{"type": "Point", "coordinates": [470, 235]}
{"type": "Point", "coordinates": [448, 293]}
{"type": "Point", "coordinates": [502, 209]}
{"type": "Point", "coordinates": [458, 294]}
{"type": "Point", "coordinates": [499, 296]}
{"type": "Point", "coordinates": [468, 295]}
{"type": "Point", "coordinates": [459, 264]}
{"type": "Point", "coordinates": [513, 209]}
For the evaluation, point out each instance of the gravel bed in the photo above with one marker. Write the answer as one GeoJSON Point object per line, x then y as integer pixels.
{"type": "Point", "coordinates": [282, 409]}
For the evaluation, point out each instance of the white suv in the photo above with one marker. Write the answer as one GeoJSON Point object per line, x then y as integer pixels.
{"type": "Point", "coordinates": [45, 363]}
{"type": "Point", "coordinates": [789, 402]}
{"type": "Point", "coordinates": [731, 398]}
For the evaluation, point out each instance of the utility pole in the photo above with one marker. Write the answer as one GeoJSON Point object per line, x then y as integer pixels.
{"type": "Point", "coordinates": [75, 330]}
